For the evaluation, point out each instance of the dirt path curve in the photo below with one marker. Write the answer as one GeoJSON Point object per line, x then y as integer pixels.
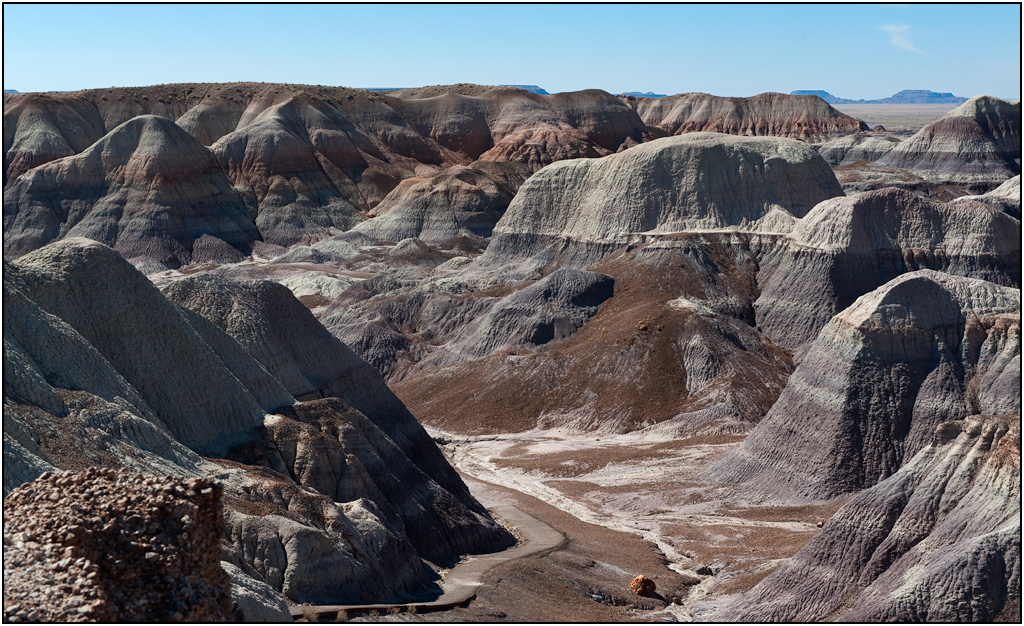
{"type": "Point", "coordinates": [460, 583]}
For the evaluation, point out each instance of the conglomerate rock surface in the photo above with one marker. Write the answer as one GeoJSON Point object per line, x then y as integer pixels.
{"type": "Point", "coordinates": [112, 546]}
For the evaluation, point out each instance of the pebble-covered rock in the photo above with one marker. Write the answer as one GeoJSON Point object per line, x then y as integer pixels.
{"type": "Point", "coordinates": [114, 546]}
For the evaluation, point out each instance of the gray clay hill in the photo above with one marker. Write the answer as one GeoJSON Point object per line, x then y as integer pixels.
{"type": "Point", "coordinates": [278, 351]}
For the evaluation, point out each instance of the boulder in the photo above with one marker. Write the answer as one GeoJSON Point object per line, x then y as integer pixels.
{"type": "Point", "coordinates": [642, 586]}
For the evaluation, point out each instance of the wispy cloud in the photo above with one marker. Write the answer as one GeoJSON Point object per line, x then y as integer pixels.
{"type": "Point", "coordinates": [899, 35]}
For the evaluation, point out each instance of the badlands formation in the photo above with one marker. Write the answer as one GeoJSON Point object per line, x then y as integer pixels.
{"type": "Point", "coordinates": [749, 348]}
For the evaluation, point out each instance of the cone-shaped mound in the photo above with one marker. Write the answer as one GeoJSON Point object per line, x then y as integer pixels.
{"type": "Point", "coordinates": [977, 141]}
{"type": "Point", "coordinates": [138, 331]}
{"type": "Point", "coordinates": [280, 333]}
{"type": "Point", "coordinates": [148, 189]}
{"type": "Point", "coordinates": [924, 348]}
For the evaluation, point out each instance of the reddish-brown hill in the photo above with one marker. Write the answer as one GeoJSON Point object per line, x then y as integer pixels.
{"type": "Point", "coordinates": [798, 117]}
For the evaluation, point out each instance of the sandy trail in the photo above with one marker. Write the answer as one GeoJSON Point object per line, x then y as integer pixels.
{"type": "Point", "coordinates": [477, 456]}
{"type": "Point", "coordinates": [460, 582]}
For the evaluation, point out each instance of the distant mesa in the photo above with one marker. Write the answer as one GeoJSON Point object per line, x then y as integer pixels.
{"type": "Point", "coordinates": [921, 96]}
{"type": "Point", "coordinates": [530, 88]}
{"type": "Point", "coordinates": [10, 91]}
{"type": "Point", "coordinates": [645, 94]}
{"type": "Point", "coordinates": [824, 95]}
{"type": "Point", "coordinates": [907, 96]}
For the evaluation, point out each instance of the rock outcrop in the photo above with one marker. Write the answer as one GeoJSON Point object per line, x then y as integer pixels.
{"type": "Point", "coordinates": [1005, 197]}
{"type": "Point", "coordinates": [578, 211]}
{"type": "Point", "coordinates": [980, 140]}
{"type": "Point", "coordinates": [808, 118]}
{"type": "Point", "coordinates": [859, 147]}
{"type": "Point", "coordinates": [938, 541]}
{"type": "Point", "coordinates": [147, 188]}
{"type": "Point", "coordinates": [436, 208]}
{"type": "Point", "coordinates": [869, 392]}
{"type": "Point", "coordinates": [846, 247]}
{"type": "Point", "coordinates": [107, 546]}
{"type": "Point", "coordinates": [256, 601]}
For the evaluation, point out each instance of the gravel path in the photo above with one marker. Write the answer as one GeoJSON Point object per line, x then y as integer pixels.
{"type": "Point", "coordinates": [460, 583]}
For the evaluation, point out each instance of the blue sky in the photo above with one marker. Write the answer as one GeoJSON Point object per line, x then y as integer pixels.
{"type": "Point", "coordinates": [852, 51]}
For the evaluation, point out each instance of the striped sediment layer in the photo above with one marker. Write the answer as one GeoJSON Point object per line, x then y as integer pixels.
{"type": "Point", "coordinates": [949, 519]}
{"type": "Point", "coordinates": [867, 394]}
{"type": "Point", "coordinates": [846, 247]}
{"type": "Point", "coordinates": [979, 140]}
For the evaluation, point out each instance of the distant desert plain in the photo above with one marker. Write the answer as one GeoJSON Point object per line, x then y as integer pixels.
{"type": "Point", "coordinates": [897, 117]}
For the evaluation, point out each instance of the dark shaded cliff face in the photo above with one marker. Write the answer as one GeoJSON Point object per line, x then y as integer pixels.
{"type": "Point", "coordinates": [101, 369]}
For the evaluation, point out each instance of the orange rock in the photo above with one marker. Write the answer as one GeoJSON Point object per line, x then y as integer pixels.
{"type": "Point", "coordinates": [642, 586]}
